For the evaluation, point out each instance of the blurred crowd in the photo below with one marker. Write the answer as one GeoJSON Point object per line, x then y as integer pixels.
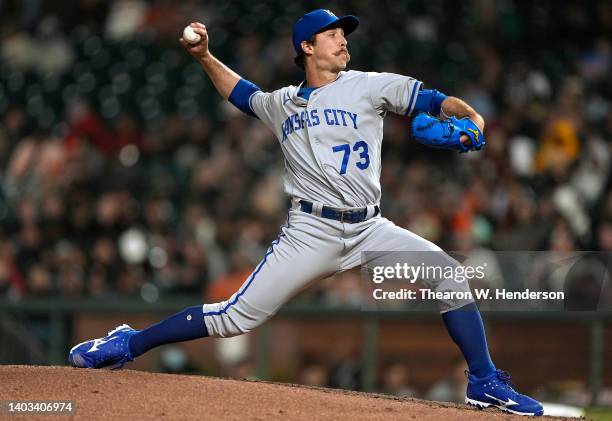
{"type": "Point", "coordinates": [123, 172]}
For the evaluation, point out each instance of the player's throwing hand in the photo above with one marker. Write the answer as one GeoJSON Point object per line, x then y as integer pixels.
{"type": "Point", "coordinates": [200, 49]}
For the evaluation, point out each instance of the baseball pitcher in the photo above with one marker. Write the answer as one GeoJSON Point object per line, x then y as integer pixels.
{"type": "Point", "coordinates": [330, 130]}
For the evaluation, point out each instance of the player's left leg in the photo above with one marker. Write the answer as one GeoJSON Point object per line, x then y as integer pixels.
{"type": "Point", "coordinates": [487, 386]}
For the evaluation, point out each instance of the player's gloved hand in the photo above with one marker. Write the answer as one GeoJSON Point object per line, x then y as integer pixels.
{"type": "Point", "coordinates": [446, 134]}
{"type": "Point", "coordinates": [470, 129]}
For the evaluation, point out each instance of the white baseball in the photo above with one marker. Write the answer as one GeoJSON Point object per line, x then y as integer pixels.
{"type": "Point", "coordinates": [191, 36]}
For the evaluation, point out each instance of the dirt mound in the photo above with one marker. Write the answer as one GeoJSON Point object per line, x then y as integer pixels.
{"type": "Point", "coordinates": [127, 394]}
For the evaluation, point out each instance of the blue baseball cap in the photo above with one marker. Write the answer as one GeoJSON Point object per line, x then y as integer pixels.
{"type": "Point", "coordinates": [318, 20]}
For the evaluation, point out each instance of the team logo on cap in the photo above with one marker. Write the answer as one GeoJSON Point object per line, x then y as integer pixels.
{"type": "Point", "coordinates": [329, 13]}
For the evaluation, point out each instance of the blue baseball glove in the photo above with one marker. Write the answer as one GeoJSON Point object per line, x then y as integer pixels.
{"type": "Point", "coordinates": [446, 134]}
{"type": "Point", "coordinates": [470, 129]}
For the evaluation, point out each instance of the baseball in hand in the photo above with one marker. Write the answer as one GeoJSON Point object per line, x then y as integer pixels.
{"type": "Point", "coordinates": [191, 36]}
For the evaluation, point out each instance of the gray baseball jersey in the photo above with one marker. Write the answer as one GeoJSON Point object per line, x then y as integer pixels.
{"type": "Point", "coordinates": [332, 142]}
{"type": "Point", "coordinates": [332, 147]}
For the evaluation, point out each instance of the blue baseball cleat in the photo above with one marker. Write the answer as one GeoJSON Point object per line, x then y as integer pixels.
{"type": "Point", "coordinates": [496, 390]}
{"type": "Point", "coordinates": [112, 351]}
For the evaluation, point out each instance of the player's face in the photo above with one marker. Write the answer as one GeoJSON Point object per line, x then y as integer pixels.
{"type": "Point", "coordinates": [330, 52]}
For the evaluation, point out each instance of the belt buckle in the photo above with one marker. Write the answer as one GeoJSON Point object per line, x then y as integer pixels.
{"type": "Point", "coordinates": [348, 216]}
{"type": "Point", "coordinates": [345, 216]}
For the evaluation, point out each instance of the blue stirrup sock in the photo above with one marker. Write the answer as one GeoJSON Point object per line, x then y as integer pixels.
{"type": "Point", "coordinates": [183, 326]}
{"type": "Point", "coordinates": [467, 330]}
{"type": "Point", "coordinates": [464, 326]}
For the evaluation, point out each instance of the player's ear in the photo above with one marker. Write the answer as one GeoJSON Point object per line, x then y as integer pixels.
{"type": "Point", "coordinates": [306, 47]}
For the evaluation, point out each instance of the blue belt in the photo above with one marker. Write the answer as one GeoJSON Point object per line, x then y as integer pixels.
{"type": "Point", "coordinates": [352, 216]}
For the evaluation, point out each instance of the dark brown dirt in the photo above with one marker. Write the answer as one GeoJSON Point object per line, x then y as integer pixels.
{"type": "Point", "coordinates": [128, 394]}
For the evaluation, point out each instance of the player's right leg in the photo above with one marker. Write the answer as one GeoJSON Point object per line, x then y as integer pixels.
{"type": "Point", "coordinates": [307, 249]}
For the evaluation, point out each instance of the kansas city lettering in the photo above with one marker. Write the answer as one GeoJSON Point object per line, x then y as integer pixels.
{"type": "Point", "coordinates": [312, 118]}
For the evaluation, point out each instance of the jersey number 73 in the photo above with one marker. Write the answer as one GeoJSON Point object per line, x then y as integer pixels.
{"type": "Point", "coordinates": [361, 147]}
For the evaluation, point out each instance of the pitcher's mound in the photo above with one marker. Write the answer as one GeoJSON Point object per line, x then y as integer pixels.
{"type": "Point", "coordinates": [127, 394]}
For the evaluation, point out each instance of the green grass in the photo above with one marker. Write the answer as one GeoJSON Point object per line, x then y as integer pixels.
{"type": "Point", "coordinates": [598, 414]}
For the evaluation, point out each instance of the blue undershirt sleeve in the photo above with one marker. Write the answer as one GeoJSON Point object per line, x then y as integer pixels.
{"type": "Point", "coordinates": [241, 94]}
{"type": "Point", "coordinates": [429, 101]}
